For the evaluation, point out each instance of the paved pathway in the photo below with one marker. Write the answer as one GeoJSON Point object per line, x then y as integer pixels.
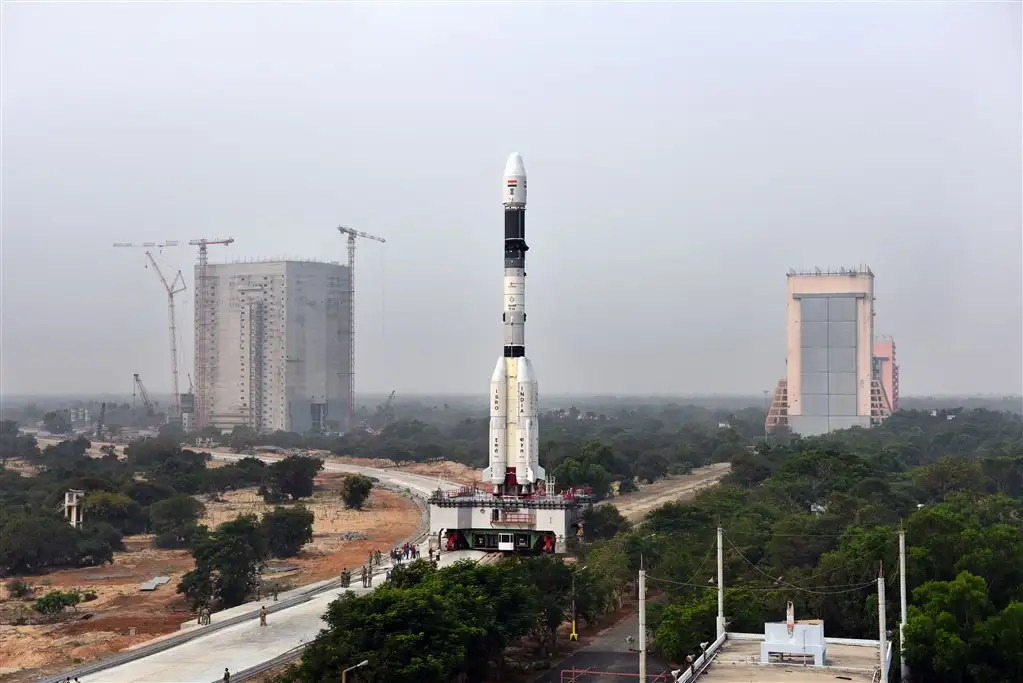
{"type": "Point", "coordinates": [244, 645]}
{"type": "Point", "coordinates": [608, 651]}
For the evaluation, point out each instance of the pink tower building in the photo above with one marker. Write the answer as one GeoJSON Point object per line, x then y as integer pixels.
{"type": "Point", "coordinates": [833, 379]}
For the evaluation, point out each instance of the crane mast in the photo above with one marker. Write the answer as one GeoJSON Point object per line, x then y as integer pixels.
{"type": "Point", "coordinates": [352, 234]}
{"type": "Point", "coordinates": [176, 286]}
{"type": "Point", "coordinates": [203, 302]}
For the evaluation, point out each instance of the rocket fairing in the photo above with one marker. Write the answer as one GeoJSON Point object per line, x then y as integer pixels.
{"type": "Point", "coordinates": [514, 434]}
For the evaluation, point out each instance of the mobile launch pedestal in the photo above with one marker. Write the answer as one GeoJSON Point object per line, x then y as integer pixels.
{"type": "Point", "coordinates": [480, 520]}
{"type": "Point", "coordinates": [520, 512]}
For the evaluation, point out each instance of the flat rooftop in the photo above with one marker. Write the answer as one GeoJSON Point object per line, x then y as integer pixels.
{"type": "Point", "coordinates": [738, 661]}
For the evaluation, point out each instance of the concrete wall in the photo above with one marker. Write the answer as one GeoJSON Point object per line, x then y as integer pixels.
{"type": "Point", "coordinates": [279, 343]}
{"type": "Point", "coordinates": [317, 344]}
{"type": "Point", "coordinates": [829, 331]}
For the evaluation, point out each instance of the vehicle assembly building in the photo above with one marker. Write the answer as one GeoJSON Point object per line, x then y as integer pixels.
{"type": "Point", "coordinates": [277, 344]}
{"type": "Point", "coordinates": [519, 509]}
{"type": "Point", "coordinates": [837, 375]}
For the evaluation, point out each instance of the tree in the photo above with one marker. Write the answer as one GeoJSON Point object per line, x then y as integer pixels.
{"type": "Point", "coordinates": [115, 509]}
{"type": "Point", "coordinates": [291, 477]}
{"type": "Point", "coordinates": [174, 520]}
{"type": "Point", "coordinates": [287, 530]}
{"type": "Point", "coordinates": [30, 544]}
{"type": "Point", "coordinates": [429, 648]}
{"type": "Point", "coordinates": [604, 521]}
{"type": "Point", "coordinates": [57, 422]}
{"type": "Point", "coordinates": [227, 564]}
{"type": "Point", "coordinates": [355, 490]}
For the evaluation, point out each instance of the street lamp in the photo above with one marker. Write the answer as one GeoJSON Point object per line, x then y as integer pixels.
{"type": "Point", "coordinates": [573, 635]}
{"type": "Point", "coordinates": [344, 674]}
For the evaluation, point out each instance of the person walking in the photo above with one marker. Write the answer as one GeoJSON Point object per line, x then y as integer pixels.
{"type": "Point", "coordinates": [262, 616]}
{"type": "Point", "coordinates": [227, 675]}
{"type": "Point", "coordinates": [277, 588]}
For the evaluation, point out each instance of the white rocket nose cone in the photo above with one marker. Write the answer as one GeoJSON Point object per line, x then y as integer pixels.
{"type": "Point", "coordinates": [514, 167]}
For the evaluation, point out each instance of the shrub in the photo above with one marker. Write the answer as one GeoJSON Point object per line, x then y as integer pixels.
{"type": "Point", "coordinates": [19, 589]}
{"type": "Point", "coordinates": [55, 602]}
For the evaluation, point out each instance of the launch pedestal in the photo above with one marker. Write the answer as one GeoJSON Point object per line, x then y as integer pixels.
{"type": "Point", "coordinates": [478, 520]}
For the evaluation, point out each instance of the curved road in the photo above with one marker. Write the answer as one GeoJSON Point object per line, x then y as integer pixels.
{"type": "Point", "coordinates": [243, 645]}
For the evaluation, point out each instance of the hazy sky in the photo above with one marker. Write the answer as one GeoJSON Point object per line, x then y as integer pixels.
{"type": "Point", "coordinates": [681, 158]}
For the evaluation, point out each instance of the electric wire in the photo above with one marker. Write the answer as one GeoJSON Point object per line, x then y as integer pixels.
{"type": "Point", "coordinates": [785, 583]}
{"type": "Point", "coordinates": [853, 589]}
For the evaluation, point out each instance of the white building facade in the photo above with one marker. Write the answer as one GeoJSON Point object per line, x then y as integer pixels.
{"type": "Point", "coordinates": [279, 345]}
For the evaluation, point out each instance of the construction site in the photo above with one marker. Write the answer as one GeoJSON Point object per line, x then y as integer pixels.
{"type": "Point", "coordinates": [274, 342]}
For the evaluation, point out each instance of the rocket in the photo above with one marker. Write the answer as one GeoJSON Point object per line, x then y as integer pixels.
{"type": "Point", "coordinates": [514, 432]}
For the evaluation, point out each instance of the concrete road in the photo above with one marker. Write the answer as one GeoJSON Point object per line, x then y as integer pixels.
{"type": "Point", "coordinates": [237, 647]}
{"type": "Point", "coordinates": [609, 652]}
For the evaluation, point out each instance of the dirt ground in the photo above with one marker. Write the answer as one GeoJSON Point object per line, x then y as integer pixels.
{"type": "Point", "coordinates": [101, 626]}
{"type": "Point", "coordinates": [449, 471]}
{"type": "Point", "coordinates": [635, 506]}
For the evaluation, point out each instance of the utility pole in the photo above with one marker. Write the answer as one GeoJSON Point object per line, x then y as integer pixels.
{"type": "Point", "coordinates": [721, 584]}
{"type": "Point", "coordinates": [352, 234]}
{"type": "Point", "coordinates": [882, 626]}
{"type": "Point", "coordinates": [573, 635]}
{"type": "Point", "coordinates": [642, 623]}
{"type": "Point", "coordinates": [203, 332]}
{"type": "Point", "coordinates": [903, 667]}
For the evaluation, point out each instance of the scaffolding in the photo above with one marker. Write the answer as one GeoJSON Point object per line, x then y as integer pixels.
{"type": "Point", "coordinates": [257, 329]}
{"type": "Point", "coordinates": [778, 413]}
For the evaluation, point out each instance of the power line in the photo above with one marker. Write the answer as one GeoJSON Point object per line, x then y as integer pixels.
{"type": "Point", "coordinates": [838, 589]}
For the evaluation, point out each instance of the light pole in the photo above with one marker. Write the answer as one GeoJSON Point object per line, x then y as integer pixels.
{"type": "Point", "coordinates": [573, 635]}
{"type": "Point", "coordinates": [344, 674]}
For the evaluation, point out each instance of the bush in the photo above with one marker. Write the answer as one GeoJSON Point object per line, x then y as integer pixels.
{"type": "Point", "coordinates": [356, 490]}
{"type": "Point", "coordinates": [55, 602]}
{"type": "Point", "coordinates": [19, 589]}
{"type": "Point", "coordinates": [287, 530]}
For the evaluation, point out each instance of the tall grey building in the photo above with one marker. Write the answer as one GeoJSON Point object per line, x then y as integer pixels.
{"type": "Point", "coordinates": [277, 345]}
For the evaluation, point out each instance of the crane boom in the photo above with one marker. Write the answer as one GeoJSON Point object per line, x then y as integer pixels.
{"type": "Point", "coordinates": [149, 245]}
{"type": "Point", "coordinates": [352, 234]}
{"type": "Point", "coordinates": [144, 395]}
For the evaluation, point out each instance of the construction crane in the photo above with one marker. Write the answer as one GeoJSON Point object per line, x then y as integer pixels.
{"type": "Point", "coordinates": [202, 342]}
{"type": "Point", "coordinates": [388, 410]}
{"type": "Point", "coordinates": [176, 286]}
{"type": "Point", "coordinates": [140, 389]}
{"type": "Point", "coordinates": [99, 422]}
{"type": "Point", "coordinates": [352, 234]}
{"type": "Point", "coordinates": [149, 245]}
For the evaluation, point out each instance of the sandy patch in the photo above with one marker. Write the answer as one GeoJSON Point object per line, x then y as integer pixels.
{"type": "Point", "coordinates": [120, 605]}
{"type": "Point", "coordinates": [635, 506]}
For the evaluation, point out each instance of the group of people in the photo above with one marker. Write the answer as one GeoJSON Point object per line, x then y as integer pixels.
{"type": "Point", "coordinates": [367, 577]}
{"type": "Point", "coordinates": [204, 615]}
{"type": "Point", "coordinates": [408, 551]}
